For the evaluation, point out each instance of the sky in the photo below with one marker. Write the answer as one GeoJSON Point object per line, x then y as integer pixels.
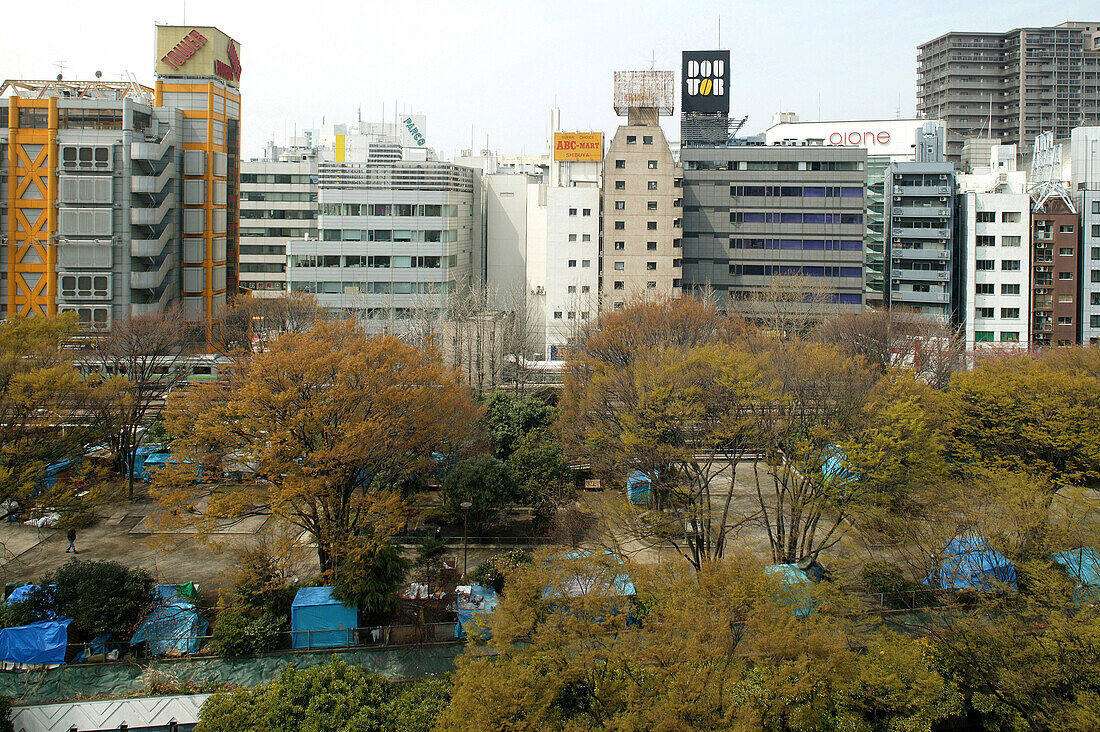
{"type": "Point", "coordinates": [492, 70]}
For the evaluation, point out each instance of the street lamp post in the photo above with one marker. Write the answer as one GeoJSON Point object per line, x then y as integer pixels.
{"type": "Point", "coordinates": [465, 506]}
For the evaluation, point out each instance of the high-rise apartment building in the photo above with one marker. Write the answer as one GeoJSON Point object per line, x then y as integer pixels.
{"type": "Point", "coordinates": [1012, 85]}
{"type": "Point", "coordinates": [278, 203]}
{"type": "Point", "coordinates": [753, 213]}
{"type": "Point", "coordinates": [641, 196]}
{"type": "Point", "coordinates": [922, 257]}
{"type": "Point", "coordinates": [994, 229]}
{"type": "Point", "coordinates": [1055, 271]}
{"type": "Point", "coordinates": [121, 199]}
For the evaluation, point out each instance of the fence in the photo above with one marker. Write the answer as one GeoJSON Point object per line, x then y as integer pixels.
{"type": "Point", "coordinates": [350, 638]}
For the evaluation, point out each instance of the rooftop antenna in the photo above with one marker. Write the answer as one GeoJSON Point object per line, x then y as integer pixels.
{"type": "Point", "coordinates": [719, 31]}
{"type": "Point", "coordinates": [60, 68]}
{"type": "Point", "coordinates": [897, 112]}
{"type": "Point", "coordinates": [652, 67]}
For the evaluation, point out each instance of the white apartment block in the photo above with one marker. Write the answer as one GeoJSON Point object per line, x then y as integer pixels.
{"type": "Point", "coordinates": [994, 213]}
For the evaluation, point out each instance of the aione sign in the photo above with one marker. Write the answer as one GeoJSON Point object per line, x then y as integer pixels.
{"type": "Point", "coordinates": [859, 139]}
{"type": "Point", "coordinates": [893, 138]}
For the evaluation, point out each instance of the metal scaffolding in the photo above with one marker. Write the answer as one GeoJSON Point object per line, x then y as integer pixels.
{"type": "Point", "coordinates": [645, 90]}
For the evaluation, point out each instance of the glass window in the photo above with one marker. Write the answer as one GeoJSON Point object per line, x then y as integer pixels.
{"type": "Point", "coordinates": [647, 139]}
{"type": "Point", "coordinates": [586, 237]}
{"type": "Point", "coordinates": [1065, 275]}
{"type": "Point", "coordinates": [652, 165]}
{"type": "Point", "coordinates": [620, 225]}
{"type": "Point", "coordinates": [1010, 336]}
{"type": "Point", "coordinates": [620, 266]}
{"type": "Point", "coordinates": [586, 263]}
{"type": "Point", "coordinates": [586, 212]}
{"type": "Point", "coordinates": [651, 246]}
{"type": "Point", "coordinates": [620, 185]}
{"type": "Point", "coordinates": [1010, 265]}
{"type": "Point", "coordinates": [620, 205]}
{"type": "Point", "coordinates": [572, 212]}
{"type": "Point", "coordinates": [651, 266]}
{"type": "Point", "coordinates": [652, 186]}
{"type": "Point", "coordinates": [1008, 289]}
{"type": "Point", "coordinates": [1010, 313]}
{"type": "Point", "coordinates": [572, 237]}
{"type": "Point", "coordinates": [572, 263]}
{"type": "Point", "coordinates": [651, 225]}
{"type": "Point", "coordinates": [631, 139]}
{"type": "Point", "coordinates": [620, 164]}
{"type": "Point", "coordinates": [651, 205]}
{"type": "Point", "coordinates": [620, 285]}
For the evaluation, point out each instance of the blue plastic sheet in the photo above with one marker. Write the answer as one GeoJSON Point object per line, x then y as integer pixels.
{"type": "Point", "coordinates": [319, 620]}
{"type": "Point", "coordinates": [639, 488]}
{"type": "Point", "coordinates": [482, 600]}
{"type": "Point", "coordinates": [971, 564]}
{"type": "Point", "coordinates": [19, 594]}
{"type": "Point", "coordinates": [175, 626]}
{"type": "Point", "coordinates": [41, 642]}
{"type": "Point", "coordinates": [795, 592]}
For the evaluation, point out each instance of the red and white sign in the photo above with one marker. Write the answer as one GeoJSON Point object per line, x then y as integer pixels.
{"type": "Point", "coordinates": [184, 50]}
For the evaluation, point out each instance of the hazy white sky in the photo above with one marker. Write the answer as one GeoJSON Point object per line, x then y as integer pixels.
{"type": "Point", "coordinates": [497, 67]}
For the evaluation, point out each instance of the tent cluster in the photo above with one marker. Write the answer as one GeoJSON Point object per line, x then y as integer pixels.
{"type": "Point", "coordinates": [173, 627]}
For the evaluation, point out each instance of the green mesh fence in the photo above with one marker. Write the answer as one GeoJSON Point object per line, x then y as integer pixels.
{"type": "Point", "coordinates": [123, 679]}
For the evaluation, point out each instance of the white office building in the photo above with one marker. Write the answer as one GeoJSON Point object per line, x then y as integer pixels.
{"type": "Point", "coordinates": [994, 213]}
{"type": "Point", "coordinates": [542, 242]}
{"type": "Point", "coordinates": [278, 204]}
{"type": "Point", "coordinates": [398, 231]}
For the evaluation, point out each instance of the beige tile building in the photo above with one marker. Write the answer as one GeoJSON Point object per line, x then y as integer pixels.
{"type": "Point", "coordinates": [642, 210]}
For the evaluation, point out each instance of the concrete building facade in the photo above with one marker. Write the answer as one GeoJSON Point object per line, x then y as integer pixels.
{"type": "Point", "coordinates": [278, 204]}
{"type": "Point", "coordinates": [642, 230]}
{"type": "Point", "coordinates": [755, 212]}
{"type": "Point", "coordinates": [1088, 205]}
{"type": "Point", "coordinates": [1011, 85]}
{"type": "Point", "coordinates": [994, 231]}
{"type": "Point", "coordinates": [1055, 274]}
{"type": "Point", "coordinates": [122, 199]}
{"type": "Point", "coordinates": [920, 238]}
{"type": "Point", "coordinates": [396, 239]}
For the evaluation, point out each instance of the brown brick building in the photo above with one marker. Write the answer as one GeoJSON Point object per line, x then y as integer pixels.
{"type": "Point", "coordinates": [1055, 269]}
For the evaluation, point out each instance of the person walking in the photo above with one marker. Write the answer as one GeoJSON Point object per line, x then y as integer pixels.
{"type": "Point", "coordinates": [71, 536]}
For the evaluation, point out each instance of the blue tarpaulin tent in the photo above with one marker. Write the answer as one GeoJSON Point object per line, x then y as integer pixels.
{"type": "Point", "coordinates": [41, 642]}
{"type": "Point", "coordinates": [480, 600]}
{"type": "Point", "coordinates": [795, 592]}
{"type": "Point", "coordinates": [972, 564]}
{"type": "Point", "coordinates": [1082, 565]}
{"type": "Point", "coordinates": [20, 593]}
{"type": "Point", "coordinates": [172, 626]}
{"type": "Point", "coordinates": [319, 620]}
{"type": "Point", "coordinates": [639, 488]}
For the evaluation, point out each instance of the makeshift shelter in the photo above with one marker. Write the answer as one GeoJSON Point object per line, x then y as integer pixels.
{"type": "Point", "coordinates": [1083, 565]}
{"type": "Point", "coordinates": [36, 643]}
{"type": "Point", "coordinates": [474, 600]}
{"type": "Point", "coordinates": [319, 620]}
{"type": "Point", "coordinates": [174, 627]}
{"type": "Point", "coordinates": [835, 467]}
{"type": "Point", "coordinates": [19, 594]}
{"type": "Point", "coordinates": [60, 469]}
{"type": "Point", "coordinates": [972, 564]}
{"type": "Point", "coordinates": [186, 591]}
{"type": "Point", "coordinates": [795, 592]}
{"type": "Point", "coordinates": [639, 488]}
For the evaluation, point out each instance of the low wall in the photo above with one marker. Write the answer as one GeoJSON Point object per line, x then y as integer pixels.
{"type": "Point", "coordinates": [76, 681]}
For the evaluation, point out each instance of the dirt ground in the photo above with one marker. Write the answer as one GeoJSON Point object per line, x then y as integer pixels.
{"type": "Point", "coordinates": [123, 534]}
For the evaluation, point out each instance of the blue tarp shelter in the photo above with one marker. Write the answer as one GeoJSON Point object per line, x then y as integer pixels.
{"type": "Point", "coordinates": [835, 466]}
{"type": "Point", "coordinates": [480, 601]}
{"type": "Point", "coordinates": [172, 626]}
{"type": "Point", "coordinates": [1082, 565]}
{"type": "Point", "coordinates": [639, 488]}
{"type": "Point", "coordinates": [41, 642]}
{"type": "Point", "coordinates": [20, 593]}
{"type": "Point", "coordinates": [795, 592]}
{"type": "Point", "coordinates": [53, 472]}
{"type": "Point", "coordinates": [319, 620]}
{"type": "Point", "coordinates": [972, 564]}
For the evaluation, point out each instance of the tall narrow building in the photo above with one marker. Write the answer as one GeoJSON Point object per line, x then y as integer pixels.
{"type": "Point", "coordinates": [641, 231]}
{"type": "Point", "coordinates": [1011, 85]}
{"type": "Point", "coordinates": [199, 71]}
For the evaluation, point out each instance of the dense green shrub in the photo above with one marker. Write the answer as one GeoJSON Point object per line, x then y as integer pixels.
{"type": "Point", "coordinates": [369, 576]}
{"type": "Point", "coordinates": [100, 596]}
{"type": "Point", "coordinates": [485, 482]}
{"type": "Point", "coordinates": [493, 571]}
{"type": "Point", "coordinates": [335, 697]}
{"type": "Point", "coordinates": [238, 633]}
{"type": "Point", "coordinates": [5, 715]}
{"type": "Point", "coordinates": [890, 581]}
